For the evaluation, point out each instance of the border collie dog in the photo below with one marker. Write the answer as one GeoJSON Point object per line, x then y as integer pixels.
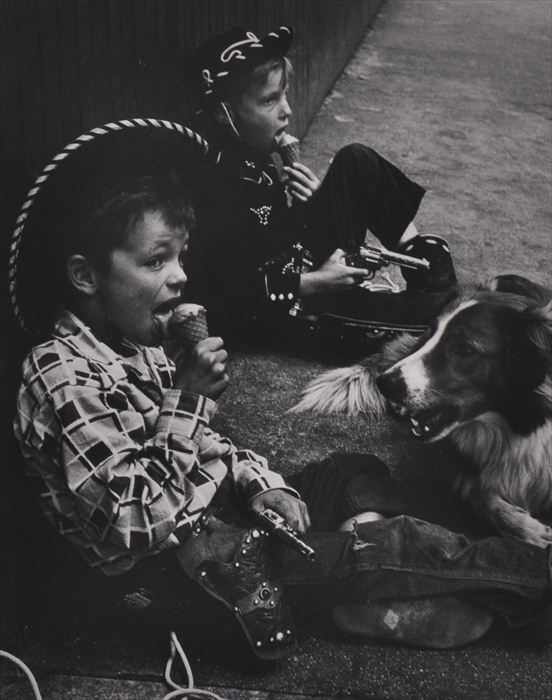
{"type": "Point", "coordinates": [482, 377]}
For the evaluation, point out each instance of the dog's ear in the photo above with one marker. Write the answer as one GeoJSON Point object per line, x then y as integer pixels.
{"type": "Point", "coordinates": [529, 368]}
{"type": "Point", "coordinates": [540, 330]}
{"type": "Point", "coordinates": [516, 284]}
{"type": "Point", "coordinates": [530, 344]}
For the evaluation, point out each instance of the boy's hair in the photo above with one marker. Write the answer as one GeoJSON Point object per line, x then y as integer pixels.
{"type": "Point", "coordinates": [109, 214]}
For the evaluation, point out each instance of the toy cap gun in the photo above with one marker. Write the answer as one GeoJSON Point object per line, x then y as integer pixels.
{"type": "Point", "coordinates": [374, 257]}
{"type": "Point", "coordinates": [274, 523]}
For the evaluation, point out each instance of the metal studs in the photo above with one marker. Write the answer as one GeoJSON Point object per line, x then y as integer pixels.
{"type": "Point", "coordinates": [255, 601]}
{"type": "Point", "coordinates": [255, 534]}
{"type": "Point", "coordinates": [279, 636]}
{"type": "Point", "coordinates": [258, 644]}
{"type": "Point", "coordinates": [203, 573]}
{"type": "Point", "coordinates": [237, 564]}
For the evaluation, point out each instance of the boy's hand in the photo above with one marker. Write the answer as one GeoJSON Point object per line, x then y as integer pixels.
{"type": "Point", "coordinates": [294, 511]}
{"type": "Point", "coordinates": [332, 276]}
{"type": "Point", "coordinates": [302, 183]}
{"type": "Point", "coordinates": [203, 371]}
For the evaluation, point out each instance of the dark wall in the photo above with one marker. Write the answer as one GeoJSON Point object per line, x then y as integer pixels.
{"type": "Point", "coordinates": [70, 65]}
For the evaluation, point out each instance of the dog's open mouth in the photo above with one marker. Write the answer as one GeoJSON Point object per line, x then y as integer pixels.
{"type": "Point", "coordinates": [427, 425]}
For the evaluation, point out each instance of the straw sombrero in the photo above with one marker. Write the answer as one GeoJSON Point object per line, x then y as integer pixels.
{"type": "Point", "coordinates": [103, 155]}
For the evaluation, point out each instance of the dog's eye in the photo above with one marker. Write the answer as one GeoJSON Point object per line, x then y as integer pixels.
{"type": "Point", "coordinates": [463, 348]}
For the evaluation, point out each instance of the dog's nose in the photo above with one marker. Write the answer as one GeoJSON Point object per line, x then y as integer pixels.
{"type": "Point", "coordinates": [391, 386]}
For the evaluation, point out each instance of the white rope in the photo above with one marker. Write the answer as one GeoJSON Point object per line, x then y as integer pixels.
{"type": "Point", "coordinates": [17, 235]}
{"type": "Point", "coordinates": [26, 670]}
{"type": "Point", "coordinates": [188, 692]}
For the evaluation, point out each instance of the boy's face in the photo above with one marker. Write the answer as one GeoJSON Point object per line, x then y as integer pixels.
{"type": "Point", "coordinates": [263, 112]}
{"type": "Point", "coordinates": [144, 281]}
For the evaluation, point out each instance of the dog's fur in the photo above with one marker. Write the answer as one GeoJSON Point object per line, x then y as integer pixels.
{"type": "Point", "coordinates": [482, 377]}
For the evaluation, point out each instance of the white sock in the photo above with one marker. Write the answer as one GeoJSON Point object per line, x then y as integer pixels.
{"type": "Point", "coordinates": [410, 232]}
{"type": "Point", "coordinates": [367, 516]}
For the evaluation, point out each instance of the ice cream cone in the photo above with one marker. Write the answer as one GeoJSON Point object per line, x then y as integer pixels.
{"type": "Point", "coordinates": [187, 326]}
{"type": "Point", "coordinates": [288, 148]}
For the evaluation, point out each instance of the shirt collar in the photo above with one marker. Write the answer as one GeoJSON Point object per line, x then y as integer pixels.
{"type": "Point", "coordinates": [70, 327]}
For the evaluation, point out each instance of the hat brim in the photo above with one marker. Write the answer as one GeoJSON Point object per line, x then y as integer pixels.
{"type": "Point", "coordinates": [99, 157]}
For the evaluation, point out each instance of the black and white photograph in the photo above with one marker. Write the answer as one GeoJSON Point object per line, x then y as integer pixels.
{"type": "Point", "coordinates": [277, 358]}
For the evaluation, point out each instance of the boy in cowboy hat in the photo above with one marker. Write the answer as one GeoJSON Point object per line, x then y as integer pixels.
{"type": "Point", "coordinates": [119, 443]}
{"type": "Point", "coordinates": [250, 220]}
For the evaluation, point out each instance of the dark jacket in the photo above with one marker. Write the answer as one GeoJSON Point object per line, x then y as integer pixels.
{"type": "Point", "coordinates": [242, 255]}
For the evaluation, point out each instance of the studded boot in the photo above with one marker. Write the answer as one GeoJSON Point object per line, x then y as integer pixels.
{"type": "Point", "coordinates": [245, 586]}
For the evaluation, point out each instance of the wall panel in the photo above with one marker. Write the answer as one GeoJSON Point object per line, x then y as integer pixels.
{"type": "Point", "coordinates": [72, 64]}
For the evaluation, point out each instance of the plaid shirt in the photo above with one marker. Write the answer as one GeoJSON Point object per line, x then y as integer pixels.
{"type": "Point", "coordinates": [126, 462]}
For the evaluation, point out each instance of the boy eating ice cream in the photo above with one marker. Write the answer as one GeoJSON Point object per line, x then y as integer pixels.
{"type": "Point", "coordinates": [268, 243]}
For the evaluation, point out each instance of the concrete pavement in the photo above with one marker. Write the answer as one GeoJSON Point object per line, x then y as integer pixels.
{"type": "Point", "coordinates": [458, 94]}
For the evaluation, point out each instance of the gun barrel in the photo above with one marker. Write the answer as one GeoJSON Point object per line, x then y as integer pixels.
{"type": "Point", "coordinates": [372, 253]}
{"type": "Point", "coordinates": [275, 524]}
{"type": "Point", "coordinates": [306, 550]}
{"type": "Point", "coordinates": [295, 542]}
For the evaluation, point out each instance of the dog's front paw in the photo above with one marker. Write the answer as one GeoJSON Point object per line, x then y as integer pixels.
{"type": "Point", "coordinates": [521, 524]}
{"type": "Point", "coordinates": [540, 537]}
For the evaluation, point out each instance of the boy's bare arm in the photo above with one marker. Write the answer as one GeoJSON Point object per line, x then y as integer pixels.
{"type": "Point", "coordinates": [288, 505]}
{"type": "Point", "coordinates": [334, 275]}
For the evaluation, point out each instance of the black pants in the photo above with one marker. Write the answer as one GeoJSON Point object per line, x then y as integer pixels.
{"type": "Point", "coordinates": [361, 191]}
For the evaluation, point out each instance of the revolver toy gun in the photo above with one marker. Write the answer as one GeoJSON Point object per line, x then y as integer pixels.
{"type": "Point", "coordinates": [274, 523]}
{"type": "Point", "coordinates": [373, 257]}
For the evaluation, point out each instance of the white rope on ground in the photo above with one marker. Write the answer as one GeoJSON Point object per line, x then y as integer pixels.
{"type": "Point", "coordinates": [26, 670]}
{"type": "Point", "coordinates": [179, 691]}
{"type": "Point", "coordinates": [184, 693]}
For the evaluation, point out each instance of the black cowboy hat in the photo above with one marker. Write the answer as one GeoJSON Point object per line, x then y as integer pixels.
{"type": "Point", "coordinates": [93, 163]}
{"type": "Point", "coordinates": [236, 51]}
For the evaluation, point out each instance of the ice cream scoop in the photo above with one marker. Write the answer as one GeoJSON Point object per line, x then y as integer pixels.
{"type": "Point", "coordinates": [187, 326]}
{"type": "Point", "coordinates": [288, 148]}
